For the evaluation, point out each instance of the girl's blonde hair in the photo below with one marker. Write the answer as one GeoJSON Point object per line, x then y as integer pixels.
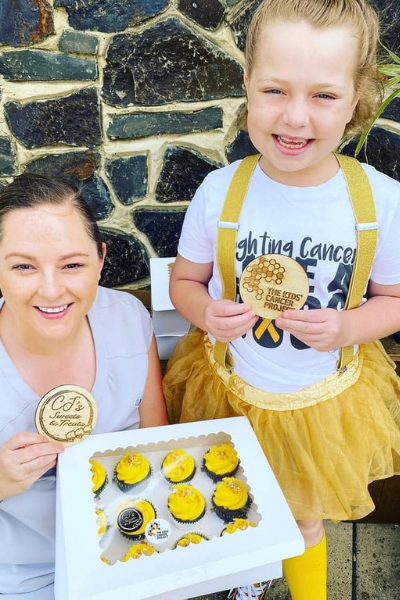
{"type": "Point", "coordinates": [357, 15]}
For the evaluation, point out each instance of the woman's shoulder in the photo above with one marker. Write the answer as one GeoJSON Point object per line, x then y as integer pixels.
{"type": "Point", "coordinates": [122, 318]}
{"type": "Point", "coordinates": [110, 298]}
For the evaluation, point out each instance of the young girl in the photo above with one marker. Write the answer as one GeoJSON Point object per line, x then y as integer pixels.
{"type": "Point", "coordinates": [322, 398]}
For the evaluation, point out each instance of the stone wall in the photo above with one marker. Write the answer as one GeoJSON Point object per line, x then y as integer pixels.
{"type": "Point", "coordinates": [136, 101]}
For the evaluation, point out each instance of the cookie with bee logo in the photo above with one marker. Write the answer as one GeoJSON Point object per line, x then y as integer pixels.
{"type": "Point", "coordinates": [273, 283]}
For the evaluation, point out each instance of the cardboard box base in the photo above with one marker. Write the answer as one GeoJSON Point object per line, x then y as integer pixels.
{"type": "Point", "coordinates": [175, 574]}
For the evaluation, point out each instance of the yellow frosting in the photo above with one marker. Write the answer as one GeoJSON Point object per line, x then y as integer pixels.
{"type": "Point", "coordinates": [145, 508]}
{"type": "Point", "coordinates": [178, 465]}
{"type": "Point", "coordinates": [186, 503]}
{"type": "Point", "coordinates": [230, 493]}
{"type": "Point", "coordinates": [133, 468]}
{"type": "Point", "coordinates": [105, 560]}
{"type": "Point", "coordinates": [101, 521]}
{"type": "Point", "coordinates": [98, 474]}
{"type": "Point", "coordinates": [221, 459]}
{"type": "Point", "coordinates": [190, 538]}
{"type": "Point", "coordinates": [236, 524]}
{"type": "Point", "coordinates": [138, 550]}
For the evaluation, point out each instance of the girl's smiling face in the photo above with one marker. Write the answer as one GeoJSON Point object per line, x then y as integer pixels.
{"type": "Point", "coordinates": [300, 96]}
{"type": "Point", "coordinates": [49, 272]}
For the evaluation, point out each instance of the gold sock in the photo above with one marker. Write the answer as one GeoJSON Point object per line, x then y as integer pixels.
{"type": "Point", "coordinates": [306, 575]}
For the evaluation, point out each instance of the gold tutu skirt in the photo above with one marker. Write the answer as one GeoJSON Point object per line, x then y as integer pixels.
{"type": "Point", "coordinates": [325, 443]}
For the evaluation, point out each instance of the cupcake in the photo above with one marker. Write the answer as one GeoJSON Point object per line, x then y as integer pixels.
{"type": "Point", "coordinates": [178, 467]}
{"type": "Point", "coordinates": [133, 516]}
{"type": "Point", "coordinates": [186, 505]}
{"type": "Point", "coordinates": [138, 550]}
{"type": "Point", "coordinates": [236, 525]}
{"type": "Point", "coordinates": [99, 477]}
{"type": "Point", "coordinates": [231, 499]}
{"type": "Point", "coordinates": [190, 538]}
{"type": "Point", "coordinates": [132, 472]}
{"type": "Point", "coordinates": [102, 522]}
{"type": "Point", "coordinates": [220, 461]}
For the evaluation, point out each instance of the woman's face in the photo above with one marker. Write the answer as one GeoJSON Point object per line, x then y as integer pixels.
{"type": "Point", "coordinates": [49, 271]}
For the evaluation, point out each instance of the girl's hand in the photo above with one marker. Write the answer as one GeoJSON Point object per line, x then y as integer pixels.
{"type": "Point", "coordinates": [23, 460]}
{"type": "Point", "coordinates": [227, 320]}
{"type": "Point", "coordinates": [322, 329]}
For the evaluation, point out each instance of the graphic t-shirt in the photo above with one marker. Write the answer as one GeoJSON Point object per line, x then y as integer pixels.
{"type": "Point", "coordinates": [313, 225]}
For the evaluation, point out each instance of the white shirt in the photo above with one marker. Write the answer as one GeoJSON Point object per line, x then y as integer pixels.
{"type": "Point", "coordinates": [122, 334]}
{"type": "Point", "coordinates": [315, 226]}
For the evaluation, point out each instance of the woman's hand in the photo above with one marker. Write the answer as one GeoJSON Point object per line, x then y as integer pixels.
{"type": "Point", "coordinates": [23, 460]}
{"type": "Point", "coordinates": [322, 329]}
{"type": "Point", "coordinates": [227, 320]}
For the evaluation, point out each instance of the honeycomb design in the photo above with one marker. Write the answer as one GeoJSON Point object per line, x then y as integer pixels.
{"type": "Point", "coordinates": [269, 270]}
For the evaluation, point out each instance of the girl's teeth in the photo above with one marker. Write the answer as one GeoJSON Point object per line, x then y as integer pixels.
{"type": "Point", "coordinates": [291, 143]}
{"type": "Point", "coordinates": [53, 310]}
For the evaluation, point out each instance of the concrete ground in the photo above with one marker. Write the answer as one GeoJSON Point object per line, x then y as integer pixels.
{"type": "Point", "coordinates": [364, 564]}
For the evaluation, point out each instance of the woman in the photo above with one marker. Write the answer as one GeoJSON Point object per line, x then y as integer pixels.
{"type": "Point", "coordinates": [58, 326]}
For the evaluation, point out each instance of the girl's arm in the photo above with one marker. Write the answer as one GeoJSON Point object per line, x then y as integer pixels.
{"type": "Point", "coordinates": [152, 409]}
{"type": "Point", "coordinates": [224, 319]}
{"type": "Point", "coordinates": [327, 329]}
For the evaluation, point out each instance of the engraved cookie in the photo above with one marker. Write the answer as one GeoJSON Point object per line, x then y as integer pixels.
{"type": "Point", "coordinates": [273, 283]}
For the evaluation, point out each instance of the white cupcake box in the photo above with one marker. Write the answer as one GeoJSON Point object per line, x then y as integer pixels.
{"type": "Point", "coordinates": [216, 564]}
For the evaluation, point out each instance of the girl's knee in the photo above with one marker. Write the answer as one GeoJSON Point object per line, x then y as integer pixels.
{"type": "Point", "coordinates": [312, 531]}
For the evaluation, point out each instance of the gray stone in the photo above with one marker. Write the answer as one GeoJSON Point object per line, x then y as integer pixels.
{"type": "Point", "coordinates": [182, 172]}
{"type": "Point", "coordinates": [162, 227]}
{"type": "Point", "coordinates": [110, 15]}
{"type": "Point", "coordinates": [142, 124]}
{"type": "Point", "coordinates": [126, 261]}
{"type": "Point", "coordinates": [393, 110]}
{"type": "Point", "coordinates": [37, 65]}
{"type": "Point", "coordinates": [25, 22]}
{"type": "Point", "coordinates": [378, 562]}
{"type": "Point", "coordinates": [389, 12]}
{"type": "Point", "coordinates": [168, 63]}
{"type": "Point", "coordinates": [240, 147]}
{"type": "Point", "coordinates": [78, 169]}
{"type": "Point", "coordinates": [232, 2]}
{"type": "Point", "coordinates": [72, 120]}
{"type": "Point", "coordinates": [78, 43]}
{"type": "Point", "coordinates": [241, 21]}
{"type": "Point", "coordinates": [7, 157]}
{"type": "Point", "coordinates": [128, 177]}
{"type": "Point", "coordinates": [207, 13]}
{"type": "Point", "coordinates": [381, 151]}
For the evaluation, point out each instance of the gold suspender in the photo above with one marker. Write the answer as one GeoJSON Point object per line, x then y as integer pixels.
{"type": "Point", "coordinates": [366, 226]}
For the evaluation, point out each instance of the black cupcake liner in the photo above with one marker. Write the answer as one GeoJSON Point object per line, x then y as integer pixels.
{"type": "Point", "coordinates": [101, 488]}
{"type": "Point", "coordinates": [216, 477]}
{"type": "Point", "coordinates": [188, 478]}
{"type": "Point", "coordinates": [228, 515]}
{"type": "Point", "coordinates": [186, 525]}
{"type": "Point", "coordinates": [128, 487]}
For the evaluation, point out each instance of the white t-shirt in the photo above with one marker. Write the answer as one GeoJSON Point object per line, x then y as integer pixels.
{"type": "Point", "coordinates": [315, 226]}
{"type": "Point", "coordinates": [122, 334]}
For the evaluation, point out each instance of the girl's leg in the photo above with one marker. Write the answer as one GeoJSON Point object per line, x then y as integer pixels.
{"type": "Point", "coordinates": [306, 575]}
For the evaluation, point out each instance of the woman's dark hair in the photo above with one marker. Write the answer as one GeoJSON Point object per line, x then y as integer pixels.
{"type": "Point", "coordinates": [30, 190]}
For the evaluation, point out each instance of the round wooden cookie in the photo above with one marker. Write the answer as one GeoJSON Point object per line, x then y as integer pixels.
{"type": "Point", "coordinates": [273, 283]}
{"type": "Point", "coordinates": [66, 414]}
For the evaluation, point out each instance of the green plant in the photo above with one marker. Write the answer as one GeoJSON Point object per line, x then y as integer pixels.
{"type": "Point", "coordinates": [392, 87]}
